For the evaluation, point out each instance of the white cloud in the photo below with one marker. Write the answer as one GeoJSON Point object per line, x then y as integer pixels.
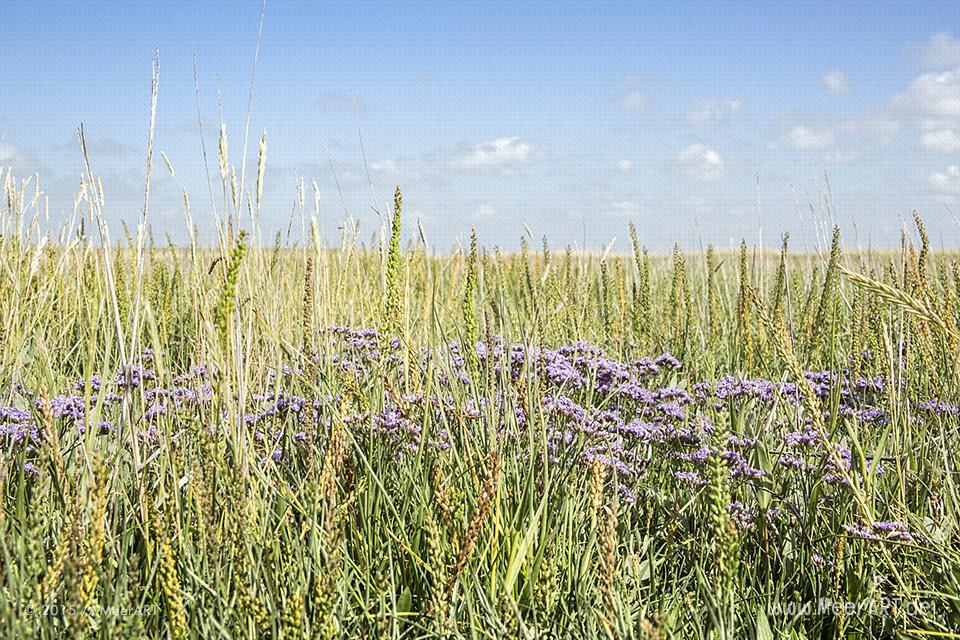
{"type": "Point", "coordinates": [947, 181]}
{"type": "Point", "coordinates": [840, 156]}
{"type": "Point", "coordinates": [696, 204]}
{"type": "Point", "coordinates": [941, 141]}
{"type": "Point", "coordinates": [942, 51]}
{"type": "Point", "coordinates": [937, 124]}
{"type": "Point", "coordinates": [879, 126]}
{"type": "Point", "coordinates": [626, 166]}
{"type": "Point", "coordinates": [700, 162]}
{"type": "Point", "coordinates": [22, 160]}
{"type": "Point", "coordinates": [709, 110]}
{"type": "Point", "coordinates": [705, 111]}
{"type": "Point", "coordinates": [932, 103]}
{"type": "Point", "coordinates": [624, 206]}
{"type": "Point", "coordinates": [932, 96]}
{"type": "Point", "coordinates": [501, 151]}
{"type": "Point", "coordinates": [385, 166]}
{"type": "Point", "coordinates": [633, 101]}
{"type": "Point", "coordinates": [484, 212]}
{"type": "Point", "coordinates": [836, 82]}
{"type": "Point", "coordinates": [622, 209]}
{"type": "Point", "coordinates": [804, 137]}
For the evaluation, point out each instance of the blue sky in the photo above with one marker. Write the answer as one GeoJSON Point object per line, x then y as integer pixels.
{"type": "Point", "coordinates": [697, 121]}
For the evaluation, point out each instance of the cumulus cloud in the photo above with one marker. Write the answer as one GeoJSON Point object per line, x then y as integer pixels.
{"type": "Point", "coordinates": [500, 152]}
{"type": "Point", "coordinates": [947, 181]}
{"type": "Point", "coordinates": [836, 82]}
{"type": "Point", "coordinates": [941, 141]}
{"type": "Point", "coordinates": [932, 104]}
{"type": "Point", "coordinates": [714, 111]}
{"type": "Point", "coordinates": [626, 166]}
{"type": "Point", "coordinates": [7, 152]}
{"type": "Point", "coordinates": [942, 51]}
{"type": "Point", "coordinates": [933, 97]}
{"type": "Point", "coordinates": [633, 101]}
{"type": "Point", "coordinates": [806, 137]}
{"type": "Point", "coordinates": [809, 132]}
{"type": "Point", "coordinates": [700, 162]}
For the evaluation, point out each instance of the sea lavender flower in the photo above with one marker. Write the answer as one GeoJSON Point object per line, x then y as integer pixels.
{"type": "Point", "coordinates": [791, 461]}
{"type": "Point", "coordinates": [741, 516]}
{"type": "Point", "coordinates": [667, 360]}
{"type": "Point", "coordinates": [698, 457]}
{"type": "Point", "coordinates": [150, 436]}
{"type": "Point", "coordinates": [938, 407]}
{"type": "Point", "coordinates": [806, 438]}
{"type": "Point", "coordinates": [134, 376]}
{"type": "Point", "coordinates": [564, 406]}
{"type": "Point", "coordinates": [608, 459]}
{"type": "Point", "coordinates": [626, 494]}
{"type": "Point", "coordinates": [839, 475]}
{"type": "Point", "coordinates": [69, 407]}
{"type": "Point", "coordinates": [739, 467]}
{"type": "Point", "coordinates": [672, 410]}
{"type": "Point", "coordinates": [690, 477]}
{"type": "Point", "coordinates": [877, 531]}
{"type": "Point", "coordinates": [154, 412]}
{"type": "Point", "coordinates": [94, 384]}
{"type": "Point", "coordinates": [738, 442]}
{"type": "Point", "coordinates": [562, 372]}
{"type": "Point", "coordinates": [646, 367]}
{"type": "Point", "coordinates": [893, 530]}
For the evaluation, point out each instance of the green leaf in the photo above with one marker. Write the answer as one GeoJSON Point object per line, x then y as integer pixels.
{"type": "Point", "coordinates": [404, 601]}
{"type": "Point", "coordinates": [520, 550]}
{"type": "Point", "coordinates": [763, 631]}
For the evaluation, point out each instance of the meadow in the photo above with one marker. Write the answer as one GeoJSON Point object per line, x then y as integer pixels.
{"type": "Point", "coordinates": [299, 438]}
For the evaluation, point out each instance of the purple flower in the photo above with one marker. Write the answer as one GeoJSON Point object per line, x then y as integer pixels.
{"type": "Point", "coordinates": [741, 516]}
{"type": "Point", "coordinates": [938, 407]}
{"type": "Point", "coordinates": [690, 477]}
{"type": "Point", "coordinates": [877, 531]}
{"type": "Point", "coordinates": [667, 360]}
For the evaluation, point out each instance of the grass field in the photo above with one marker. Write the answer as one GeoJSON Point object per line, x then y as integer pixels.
{"type": "Point", "coordinates": [285, 439]}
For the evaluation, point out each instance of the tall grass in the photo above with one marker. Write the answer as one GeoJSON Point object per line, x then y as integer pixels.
{"type": "Point", "coordinates": [312, 442]}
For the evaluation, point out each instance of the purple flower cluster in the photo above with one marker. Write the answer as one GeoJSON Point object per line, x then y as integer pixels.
{"type": "Point", "coordinates": [654, 430]}
{"type": "Point", "coordinates": [877, 531]}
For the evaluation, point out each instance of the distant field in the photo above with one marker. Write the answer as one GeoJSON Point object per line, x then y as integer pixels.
{"type": "Point", "coordinates": [307, 442]}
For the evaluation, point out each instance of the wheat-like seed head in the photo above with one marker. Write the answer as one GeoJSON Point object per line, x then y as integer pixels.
{"type": "Point", "coordinates": [224, 156]}
{"type": "Point", "coordinates": [262, 167]}
{"type": "Point", "coordinates": [897, 297]}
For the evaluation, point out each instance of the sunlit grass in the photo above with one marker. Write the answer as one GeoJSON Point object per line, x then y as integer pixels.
{"type": "Point", "coordinates": [291, 440]}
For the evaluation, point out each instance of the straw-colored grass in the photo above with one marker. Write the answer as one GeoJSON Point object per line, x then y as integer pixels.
{"type": "Point", "coordinates": [488, 512]}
